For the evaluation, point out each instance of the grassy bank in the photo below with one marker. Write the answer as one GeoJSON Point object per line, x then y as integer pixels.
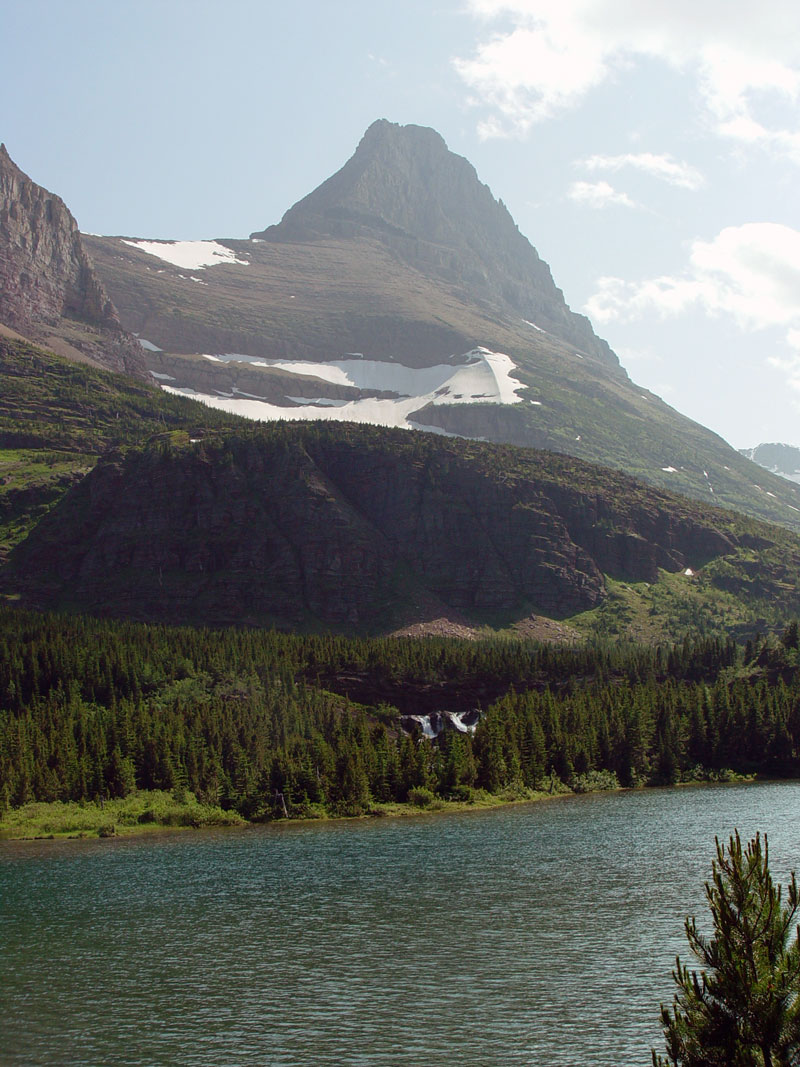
{"type": "Point", "coordinates": [145, 812]}
{"type": "Point", "coordinates": [141, 812]}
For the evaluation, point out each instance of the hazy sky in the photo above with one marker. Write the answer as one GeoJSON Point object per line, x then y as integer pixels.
{"type": "Point", "coordinates": [649, 149]}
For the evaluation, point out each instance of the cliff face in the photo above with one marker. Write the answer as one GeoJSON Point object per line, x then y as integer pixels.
{"type": "Point", "coordinates": [352, 529]}
{"type": "Point", "coordinates": [405, 188]}
{"type": "Point", "coordinates": [49, 290]}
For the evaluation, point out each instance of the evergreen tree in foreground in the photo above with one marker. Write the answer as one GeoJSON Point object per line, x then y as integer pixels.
{"type": "Point", "coordinates": [743, 1009]}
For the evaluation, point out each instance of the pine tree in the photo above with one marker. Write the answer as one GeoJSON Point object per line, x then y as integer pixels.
{"type": "Point", "coordinates": [743, 1008]}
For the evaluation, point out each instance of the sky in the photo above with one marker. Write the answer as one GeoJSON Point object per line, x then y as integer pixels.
{"type": "Point", "coordinates": [649, 150]}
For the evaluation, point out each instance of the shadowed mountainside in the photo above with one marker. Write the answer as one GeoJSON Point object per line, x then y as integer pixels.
{"type": "Point", "coordinates": [57, 417]}
{"type": "Point", "coordinates": [365, 529]}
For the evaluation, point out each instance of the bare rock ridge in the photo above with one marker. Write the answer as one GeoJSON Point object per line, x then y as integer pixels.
{"type": "Point", "coordinates": [404, 186]}
{"type": "Point", "coordinates": [49, 290]}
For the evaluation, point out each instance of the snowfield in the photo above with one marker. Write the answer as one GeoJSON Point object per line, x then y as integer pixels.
{"type": "Point", "coordinates": [485, 377]}
{"type": "Point", "coordinates": [191, 255]}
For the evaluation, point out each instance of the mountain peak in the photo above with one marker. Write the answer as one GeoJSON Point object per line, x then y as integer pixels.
{"type": "Point", "coordinates": [401, 179]}
{"type": "Point", "coordinates": [384, 130]}
{"type": "Point", "coordinates": [404, 188]}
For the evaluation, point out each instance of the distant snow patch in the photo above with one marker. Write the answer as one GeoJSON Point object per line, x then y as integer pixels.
{"type": "Point", "coordinates": [149, 345]}
{"type": "Point", "coordinates": [233, 357]}
{"type": "Point", "coordinates": [191, 255]}
{"type": "Point", "coordinates": [529, 323]}
{"type": "Point", "coordinates": [162, 377]}
{"type": "Point", "coordinates": [319, 401]}
{"type": "Point", "coordinates": [689, 572]}
{"type": "Point", "coordinates": [670, 470]}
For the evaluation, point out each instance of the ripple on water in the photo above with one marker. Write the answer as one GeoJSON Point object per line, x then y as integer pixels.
{"type": "Point", "coordinates": [541, 934]}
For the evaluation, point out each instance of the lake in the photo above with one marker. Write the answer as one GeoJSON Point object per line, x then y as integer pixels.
{"type": "Point", "coordinates": [541, 934]}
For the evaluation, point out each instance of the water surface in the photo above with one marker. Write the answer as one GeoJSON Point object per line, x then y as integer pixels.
{"type": "Point", "coordinates": [541, 934]}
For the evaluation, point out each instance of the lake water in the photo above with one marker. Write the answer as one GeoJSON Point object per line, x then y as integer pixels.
{"type": "Point", "coordinates": [541, 934]}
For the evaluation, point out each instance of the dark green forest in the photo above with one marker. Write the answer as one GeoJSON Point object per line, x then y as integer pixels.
{"type": "Point", "coordinates": [270, 724]}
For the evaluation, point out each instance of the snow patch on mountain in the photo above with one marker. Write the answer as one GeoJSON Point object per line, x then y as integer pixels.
{"type": "Point", "coordinates": [191, 255]}
{"type": "Point", "coordinates": [479, 376]}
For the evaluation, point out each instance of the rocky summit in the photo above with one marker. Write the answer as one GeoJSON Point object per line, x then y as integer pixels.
{"type": "Point", "coordinates": [404, 187]}
{"type": "Point", "coordinates": [400, 292]}
{"type": "Point", "coordinates": [49, 289]}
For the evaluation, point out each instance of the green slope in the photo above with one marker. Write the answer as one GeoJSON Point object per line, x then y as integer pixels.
{"type": "Point", "coordinates": [57, 417]}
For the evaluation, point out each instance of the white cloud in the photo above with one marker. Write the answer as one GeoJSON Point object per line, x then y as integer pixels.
{"type": "Point", "coordinates": [664, 167]}
{"type": "Point", "coordinates": [598, 195]}
{"type": "Point", "coordinates": [749, 273]}
{"type": "Point", "coordinates": [789, 363]}
{"type": "Point", "coordinates": [541, 57]}
{"type": "Point", "coordinates": [532, 73]}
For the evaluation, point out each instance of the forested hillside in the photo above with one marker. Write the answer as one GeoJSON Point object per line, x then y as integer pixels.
{"type": "Point", "coordinates": [250, 719]}
{"type": "Point", "coordinates": [367, 530]}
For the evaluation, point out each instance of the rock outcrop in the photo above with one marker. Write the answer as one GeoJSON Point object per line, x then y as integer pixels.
{"type": "Point", "coordinates": [49, 290]}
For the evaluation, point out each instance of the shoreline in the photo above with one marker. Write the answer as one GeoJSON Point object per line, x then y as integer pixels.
{"type": "Point", "coordinates": [143, 812]}
{"type": "Point", "coordinates": [73, 821]}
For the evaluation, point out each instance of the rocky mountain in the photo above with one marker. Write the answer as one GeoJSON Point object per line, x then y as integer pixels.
{"type": "Point", "coordinates": [780, 459]}
{"type": "Point", "coordinates": [429, 207]}
{"type": "Point", "coordinates": [49, 289]}
{"type": "Point", "coordinates": [374, 299]}
{"type": "Point", "coordinates": [400, 292]}
{"type": "Point", "coordinates": [364, 529]}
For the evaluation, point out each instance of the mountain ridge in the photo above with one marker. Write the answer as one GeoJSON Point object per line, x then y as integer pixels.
{"type": "Point", "coordinates": [781, 459]}
{"type": "Point", "coordinates": [322, 327]}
